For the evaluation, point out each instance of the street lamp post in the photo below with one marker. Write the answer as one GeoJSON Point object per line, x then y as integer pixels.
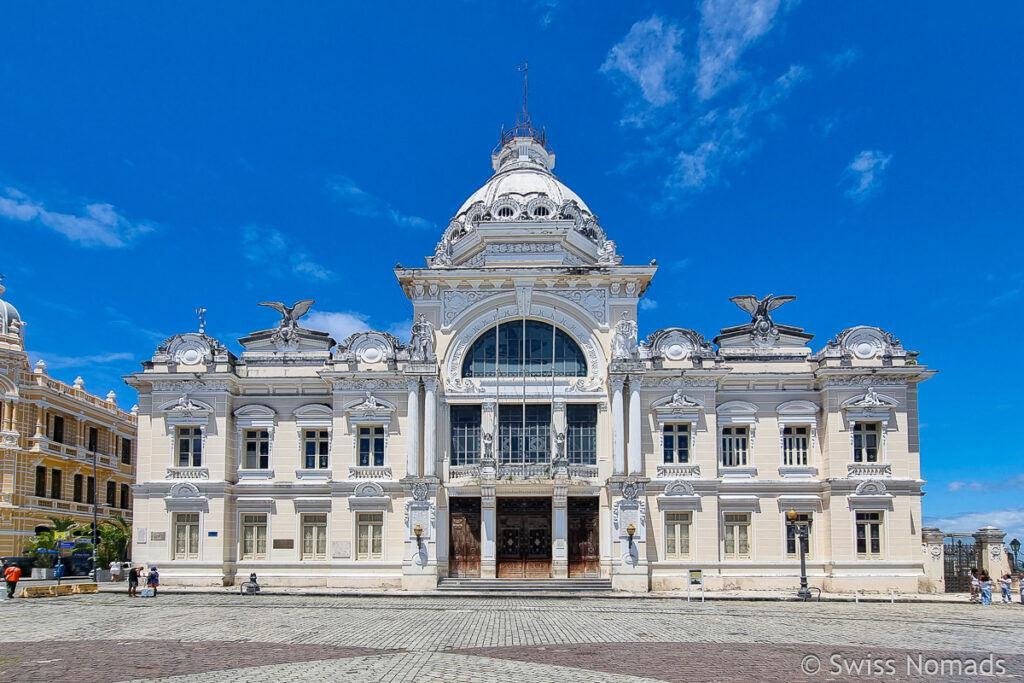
{"type": "Point", "coordinates": [1015, 547]}
{"type": "Point", "coordinates": [95, 501]}
{"type": "Point", "coordinates": [800, 529]}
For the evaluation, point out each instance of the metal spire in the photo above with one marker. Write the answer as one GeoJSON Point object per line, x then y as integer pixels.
{"type": "Point", "coordinates": [525, 68]}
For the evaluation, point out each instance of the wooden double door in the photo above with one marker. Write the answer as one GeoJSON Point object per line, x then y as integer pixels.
{"type": "Point", "coordinates": [464, 553]}
{"type": "Point", "coordinates": [583, 538]}
{"type": "Point", "coordinates": [523, 538]}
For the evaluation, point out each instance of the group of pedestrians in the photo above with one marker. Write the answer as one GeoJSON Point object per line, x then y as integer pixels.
{"type": "Point", "coordinates": [981, 587]}
{"type": "Point", "coordinates": [135, 574]}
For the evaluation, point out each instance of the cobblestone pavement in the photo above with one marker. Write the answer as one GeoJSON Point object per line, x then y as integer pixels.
{"type": "Point", "coordinates": [109, 637]}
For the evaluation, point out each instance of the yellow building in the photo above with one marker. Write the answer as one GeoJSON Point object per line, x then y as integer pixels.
{"type": "Point", "coordinates": [53, 437]}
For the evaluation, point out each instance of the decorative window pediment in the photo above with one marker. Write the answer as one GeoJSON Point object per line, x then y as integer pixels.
{"type": "Point", "coordinates": [185, 410]}
{"type": "Point", "coordinates": [370, 407]}
{"type": "Point", "coordinates": [677, 407]}
{"type": "Point", "coordinates": [798, 412]}
{"type": "Point", "coordinates": [737, 413]}
{"type": "Point", "coordinates": [869, 406]}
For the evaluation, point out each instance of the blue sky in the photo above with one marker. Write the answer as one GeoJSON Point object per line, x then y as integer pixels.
{"type": "Point", "coordinates": [862, 156]}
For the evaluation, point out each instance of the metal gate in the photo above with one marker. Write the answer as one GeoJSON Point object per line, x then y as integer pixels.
{"type": "Point", "coordinates": [959, 558]}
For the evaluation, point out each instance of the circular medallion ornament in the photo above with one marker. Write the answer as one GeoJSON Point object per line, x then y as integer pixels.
{"type": "Point", "coordinates": [675, 352]}
{"type": "Point", "coordinates": [372, 354]}
{"type": "Point", "coordinates": [629, 490]}
{"type": "Point", "coordinates": [420, 492]}
{"type": "Point", "coordinates": [190, 352]}
{"type": "Point", "coordinates": [936, 550]}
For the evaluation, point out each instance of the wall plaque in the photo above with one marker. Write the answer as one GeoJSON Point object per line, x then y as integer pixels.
{"type": "Point", "coordinates": [284, 543]}
{"type": "Point", "coordinates": [341, 550]}
{"type": "Point", "coordinates": [157, 536]}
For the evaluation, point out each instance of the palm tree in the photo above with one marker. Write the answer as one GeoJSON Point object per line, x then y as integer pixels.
{"type": "Point", "coordinates": [115, 534]}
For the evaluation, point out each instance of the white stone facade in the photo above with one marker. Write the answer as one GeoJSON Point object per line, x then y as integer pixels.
{"type": "Point", "coordinates": [581, 452]}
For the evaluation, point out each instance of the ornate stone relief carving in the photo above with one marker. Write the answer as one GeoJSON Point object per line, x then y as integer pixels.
{"type": "Point", "coordinates": [678, 487]}
{"type": "Point", "coordinates": [677, 343]}
{"type": "Point", "coordinates": [190, 386]}
{"type": "Point", "coordinates": [368, 489]}
{"type": "Point", "coordinates": [871, 487]}
{"type": "Point", "coordinates": [369, 347]}
{"type": "Point", "coordinates": [624, 339]}
{"type": "Point", "coordinates": [365, 384]}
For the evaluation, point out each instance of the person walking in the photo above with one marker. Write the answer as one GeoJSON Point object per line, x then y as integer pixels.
{"type": "Point", "coordinates": [115, 571]}
{"type": "Point", "coordinates": [133, 582]}
{"type": "Point", "coordinates": [975, 585]}
{"type": "Point", "coordinates": [153, 580]}
{"type": "Point", "coordinates": [985, 582]}
{"type": "Point", "coordinates": [1005, 584]}
{"type": "Point", "coordinates": [12, 574]}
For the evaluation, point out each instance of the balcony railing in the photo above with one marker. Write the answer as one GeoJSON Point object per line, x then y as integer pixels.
{"type": "Point", "coordinates": [370, 473]}
{"type": "Point", "coordinates": [464, 472]}
{"type": "Point", "coordinates": [540, 470]}
{"type": "Point", "coordinates": [188, 473]}
{"type": "Point", "coordinates": [678, 471]}
{"type": "Point", "coordinates": [582, 471]}
{"type": "Point", "coordinates": [869, 469]}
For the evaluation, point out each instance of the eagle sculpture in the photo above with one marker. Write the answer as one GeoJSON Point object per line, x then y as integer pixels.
{"type": "Point", "coordinates": [290, 314]}
{"type": "Point", "coordinates": [760, 308]}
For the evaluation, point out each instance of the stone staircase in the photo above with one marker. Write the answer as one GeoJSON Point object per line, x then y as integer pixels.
{"type": "Point", "coordinates": [526, 586]}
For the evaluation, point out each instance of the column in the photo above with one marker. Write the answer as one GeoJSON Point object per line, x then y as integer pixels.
{"type": "Point", "coordinates": [559, 539]}
{"type": "Point", "coordinates": [488, 532]}
{"type": "Point", "coordinates": [413, 425]}
{"type": "Point", "coordinates": [429, 426]}
{"type": "Point", "coordinates": [618, 427]}
{"type": "Point", "coordinates": [635, 461]}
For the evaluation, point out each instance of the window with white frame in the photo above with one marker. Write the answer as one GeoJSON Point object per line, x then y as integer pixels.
{"type": "Point", "coordinates": [190, 446]}
{"type": "Point", "coordinates": [186, 536]}
{"type": "Point", "coordinates": [316, 445]}
{"type": "Point", "coordinates": [736, 539]}
{"type": "Point", "coordinates": [314, 537]}
{"type": "Point", "coordinates": [865, 441]}
{"type": "Point", "coordinates": [676, 442]}
{"type": "Point", "coordinates": [257, 449]}
{"type": "Point", "coordinates": [465, 429]}
{"type": "Point", "coordinates": [371, 446]}
{"type": "Point", "coordinates": [796, 442]}
{"type": "Point", "coordinates": [735, 442]}
{"type": "Point", "coordinates": [869, 535]}
{"type": "Point", "coordinates": [792, 538]}
{"type": "Point", "coordinates": [677, 535]}
{"type": "Point", "coordinates": [369, 535]}
{"type": "Point", "coordinates": [254, 536]}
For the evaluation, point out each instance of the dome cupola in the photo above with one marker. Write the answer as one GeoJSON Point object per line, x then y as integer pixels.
{"type": "Point", "coordinates": [523, 214]}
{"type": "Point", "coordinates": [10, 320]}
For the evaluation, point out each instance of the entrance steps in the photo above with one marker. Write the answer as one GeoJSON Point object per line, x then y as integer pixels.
{"type": "Point", "coordinates": [528, 586]}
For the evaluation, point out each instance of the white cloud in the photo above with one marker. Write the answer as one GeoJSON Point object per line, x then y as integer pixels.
{"type": "Point", "coordinates": [1010, 520]}
{"type": "Point", "coordinates": [55, 361]}
{"type": "Point", "coordinates": [96, 225]}
{"type": "Point", "coordinates": [648, 59]}
{"type": "Point", "coordinates": [841, 60]}
{"type": "Point", "coordinates": [340, 325]}
{"type": "Point", "coordinates": [727, 29]}
{"type": "Point", "coordinates": [1012, 484]}
{"type": "Point", "coordinates": [362, 203]}
{"type": "Point", "coordinates": [345, 323]}
{"type": "Point", "coordinates": [722, 136]}
{"type": "Point", "coordinates": [866, 171]}
{"type": "Point", "coordinates": [271, 249]}
{"type": "Point", "coordinates": [547, 9]}
{"type": "Point", "coordinates": [648, 304]}
{"type": "Point", "coordinates": [682, 128]}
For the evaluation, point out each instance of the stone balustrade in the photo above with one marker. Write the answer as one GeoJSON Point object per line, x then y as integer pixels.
{"type": "Point", "coordinates": [678, 471]}
{"type": "Point", "coordinates": [869, 469]}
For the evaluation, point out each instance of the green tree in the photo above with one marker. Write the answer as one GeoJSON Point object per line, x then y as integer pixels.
{"type": "Point", "coordinates": [115, 534]}
{"type": "Point", "coordinates": [50, 539]}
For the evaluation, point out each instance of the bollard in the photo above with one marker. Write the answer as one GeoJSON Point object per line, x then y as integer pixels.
{"type": "Point", "coordinates": [856, 597]}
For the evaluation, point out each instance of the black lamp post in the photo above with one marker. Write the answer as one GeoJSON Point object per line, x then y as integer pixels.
{"type": "Point", "coordinates": [800, 529]}
{"type": "Point", "coordinates": [1015, 547]}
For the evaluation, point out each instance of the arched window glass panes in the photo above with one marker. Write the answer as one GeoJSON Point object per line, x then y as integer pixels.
{"type": "Point", "coordinates": [524, 348]}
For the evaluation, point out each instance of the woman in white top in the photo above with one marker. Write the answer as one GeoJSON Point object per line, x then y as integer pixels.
{"type": "Point", "coordinates": [115, 571]}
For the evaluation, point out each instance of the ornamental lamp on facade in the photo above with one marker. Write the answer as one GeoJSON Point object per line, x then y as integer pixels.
{"type": "Point", "coordinates": [630, 531]}
{"type": "Point", "coordinates": [418, 533]}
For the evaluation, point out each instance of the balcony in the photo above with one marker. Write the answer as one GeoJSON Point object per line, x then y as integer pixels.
{"type": "Point", "coordinates": [583, 471]}
{"type": "Point", "coordinates": [856, 470]}
{"type": "Point", "coordinates": [678, 471]}
{"type": "Point", "coordinates": [464, 472]}
{"type": "Point", "coordinates": [539, 470]}
{"type": "Point", "coordinates": [188, 473]}
{"type": "Point", "coordinates": [370, 473]}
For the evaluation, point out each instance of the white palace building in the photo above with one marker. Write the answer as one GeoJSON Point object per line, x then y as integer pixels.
{"type": "Point", "coordinates": [526, 432]}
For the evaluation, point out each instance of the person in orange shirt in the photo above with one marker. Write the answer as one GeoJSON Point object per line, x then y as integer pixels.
{"type": "Point", "coordinates": [12, 573]}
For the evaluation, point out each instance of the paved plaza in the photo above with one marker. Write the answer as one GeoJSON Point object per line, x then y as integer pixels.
{"type": "Point", "coordinates": [193, 637]}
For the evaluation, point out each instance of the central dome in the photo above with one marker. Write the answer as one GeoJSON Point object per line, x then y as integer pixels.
{"type": "Point", "coordinates": [523, 202]}
{"type": "Point", "coordinates": [522, 166]}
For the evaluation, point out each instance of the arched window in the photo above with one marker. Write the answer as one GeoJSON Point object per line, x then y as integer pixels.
{"type": "Point", "coordinates": [524, 347]}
